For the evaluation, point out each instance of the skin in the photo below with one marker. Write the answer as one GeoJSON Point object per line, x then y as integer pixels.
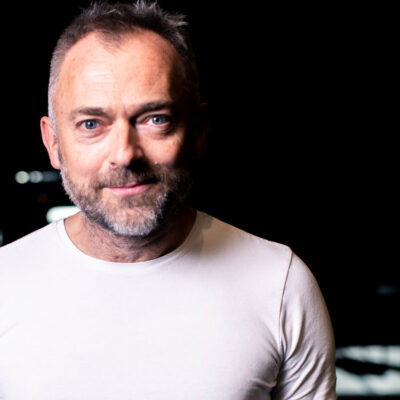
{"type": "Point", "coordinates": [113, 106]}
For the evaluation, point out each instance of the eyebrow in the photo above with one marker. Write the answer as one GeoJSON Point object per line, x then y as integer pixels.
{"type": "Point", "coordinates": [143, 108]}
{"type": "Point", "coordinates": [94, 111]}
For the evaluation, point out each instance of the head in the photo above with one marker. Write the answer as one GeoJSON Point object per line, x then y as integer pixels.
{"type": "Point", "coordinates": [123, 124]}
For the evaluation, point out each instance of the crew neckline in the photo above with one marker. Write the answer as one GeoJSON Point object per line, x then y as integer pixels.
{"type": "Point", "coordinates": [144, 266]}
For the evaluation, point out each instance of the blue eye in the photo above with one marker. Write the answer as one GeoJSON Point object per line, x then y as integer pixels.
{"type": "Point", "coordinates": [158, 119]}
{"type": "Point", "coordinates": [91, 124]}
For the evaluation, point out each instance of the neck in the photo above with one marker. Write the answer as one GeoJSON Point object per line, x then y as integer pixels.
{"type": "Point", "coordinates": [97, 242]}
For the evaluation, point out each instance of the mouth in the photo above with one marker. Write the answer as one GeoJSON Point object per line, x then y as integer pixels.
{"type": "Point", "coordinates": [130, 189]}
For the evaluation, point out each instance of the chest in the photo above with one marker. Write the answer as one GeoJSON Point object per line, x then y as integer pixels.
{"type": "Point", "coordinates": [137, 341]}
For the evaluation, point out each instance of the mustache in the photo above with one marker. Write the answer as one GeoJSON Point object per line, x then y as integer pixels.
{"type": "Point", "coordinates": [125, 176]}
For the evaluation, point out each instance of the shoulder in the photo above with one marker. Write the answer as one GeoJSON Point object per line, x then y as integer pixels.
{"type": "Point", "coordinates": [245, 260]}
{"type": "Point", "coordinates": [221, 235]}
{"type": "Point", "coordinates": [271, 267]}
{"type": "Point", "coordinates": [27, 247]}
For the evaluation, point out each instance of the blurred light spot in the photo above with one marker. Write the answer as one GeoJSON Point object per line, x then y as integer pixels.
{"type": "Point", "coordinates": [35, 176]}
{"type": "Point", "coordinates": [1, 238]}
{"type": "Point", "coordinates": [51, 176]}
{"type": "Point", "coordinates": [383, 384]}
{"type": "Point", "coordinates": [389, 355]}
{"type": "Point", "coordinates": [387, 290]}
{"type": "Point", "coordinates": [60, 212]}
{"type": "Point", "coordinates": [22, 177]}
{"type": "Point", "coordinates": [348, 384]}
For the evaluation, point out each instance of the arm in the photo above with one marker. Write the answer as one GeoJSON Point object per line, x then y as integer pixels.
{"type": "Point", "coordinates": [307, 344]}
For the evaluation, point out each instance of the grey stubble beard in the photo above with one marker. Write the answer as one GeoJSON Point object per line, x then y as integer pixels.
{"type": "Point", "coordinates": [152, 211]}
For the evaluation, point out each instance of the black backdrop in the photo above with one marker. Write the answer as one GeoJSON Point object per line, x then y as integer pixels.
{"type": "Point", "coordinates": [302, 148]}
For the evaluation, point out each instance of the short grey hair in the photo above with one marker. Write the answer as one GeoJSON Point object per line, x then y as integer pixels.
{"type": "Point", "coordinates": [114, 20]}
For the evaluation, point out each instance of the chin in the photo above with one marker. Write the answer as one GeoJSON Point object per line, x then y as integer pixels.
{"type": "Point", "coordinates": [141, 222]}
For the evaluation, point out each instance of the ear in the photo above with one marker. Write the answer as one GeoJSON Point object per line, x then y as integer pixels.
{"type": "Point", "coordinates": [202, 131]}
{"type": "Point", "coordinates": [50, 141]}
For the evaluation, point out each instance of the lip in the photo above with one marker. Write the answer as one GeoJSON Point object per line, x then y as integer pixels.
{"type": "Point", "coordinates": [129, 190]}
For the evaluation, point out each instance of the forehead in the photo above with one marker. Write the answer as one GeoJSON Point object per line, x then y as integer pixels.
{"type": "Point", "coordinates": [141, 64]}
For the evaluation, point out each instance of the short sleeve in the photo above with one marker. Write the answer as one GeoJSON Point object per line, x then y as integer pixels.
{"type": "Point", "coordinates": [306, 339]}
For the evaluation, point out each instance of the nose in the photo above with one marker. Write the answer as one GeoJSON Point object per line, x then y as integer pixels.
{"type": "Point", "coordinates": [125, 145]}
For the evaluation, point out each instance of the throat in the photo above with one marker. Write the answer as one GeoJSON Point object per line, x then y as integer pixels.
{"type": "Point", "coordinates": [95, 241]}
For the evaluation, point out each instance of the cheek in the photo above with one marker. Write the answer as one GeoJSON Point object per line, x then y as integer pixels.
{"type": "Point", "coordinates": [169, 152]}
{"type": "Point", "coordinates": [82, 161]}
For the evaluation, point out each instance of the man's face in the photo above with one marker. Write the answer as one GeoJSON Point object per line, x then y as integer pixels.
{"type": "Point", "coordinates": [122, 146]}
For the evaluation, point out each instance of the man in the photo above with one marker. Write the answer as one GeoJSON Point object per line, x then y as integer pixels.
{"type": "Point", "coordinates": [138, 296]}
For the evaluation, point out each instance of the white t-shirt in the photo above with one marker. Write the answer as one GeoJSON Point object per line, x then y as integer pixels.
{"type": "Point", "coordinates": [226, 316]}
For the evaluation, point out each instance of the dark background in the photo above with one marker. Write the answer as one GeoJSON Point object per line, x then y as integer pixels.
{"type": "Point", "coordinates": [302, 150]}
